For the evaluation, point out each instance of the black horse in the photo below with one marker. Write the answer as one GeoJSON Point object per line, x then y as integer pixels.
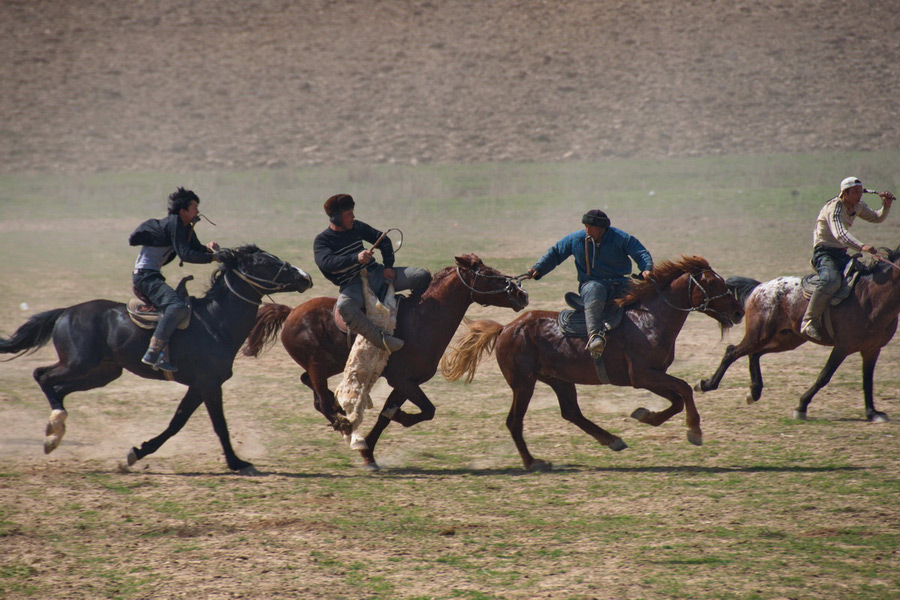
{"type": "Point", "coordinates": [97, 339]}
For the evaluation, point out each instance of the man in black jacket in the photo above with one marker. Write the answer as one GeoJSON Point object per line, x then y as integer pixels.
{"type": "Point", "coordinates": [161, 240]}
{"type": "Point", "coordinates": [340, 255]}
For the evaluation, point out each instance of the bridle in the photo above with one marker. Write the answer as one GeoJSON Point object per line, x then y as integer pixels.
{"type": "Point", "coordinates": [512, 283]}
{"type": "Point", "coordinates": [707, 299]}
{"type": "Point", "coordinates": [260, 285]}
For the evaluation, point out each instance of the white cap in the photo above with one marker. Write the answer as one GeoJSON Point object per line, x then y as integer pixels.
{"type": "Point", "coordinates": [850, 182]}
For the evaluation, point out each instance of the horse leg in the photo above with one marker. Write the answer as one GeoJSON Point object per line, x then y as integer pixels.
{"type": "Point", "coordinates": [213, 401]}
{"type": "Point", "coordinates": [680, 394]}
{"type": "Point", "coordinates": [392, 412]}
{"type": "Point", "coordinates": [325, 401]}
{"type": "Point", "coordinates": [831, 365]}
{"type": "Point", "coordinates": [756, 380]}
{"type": "Point", "coordinates": [869, 358]}
{"type": "Point", "coordinates": [186, 408]}
{"type": "Point", "coordinates": [732, 353]}
{"type": "Point", "coordinates": [59, 380]}
{"type": "Point", "coordinates": [571, 411]}
{"type": "Point", "coordinates": [522, 393]}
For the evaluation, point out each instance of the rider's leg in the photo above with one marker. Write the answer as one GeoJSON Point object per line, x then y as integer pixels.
{"type": "Point", "coordinates": [349, 306]}
{"type": "Point", "coordinates": [594, 294]}
{"type": "Point", "coordinates": [829, 268]}
{"type": "Point", "coordinates": [153, 285]}
{"type": "Point", "coordinates": [414, 279]}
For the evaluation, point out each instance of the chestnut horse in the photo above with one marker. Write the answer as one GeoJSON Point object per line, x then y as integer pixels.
{"type": "Point", "coordinates": [96, 341]}
{"type": "Point", "coordinates": [532, 348]}
{"type": "Point", "coordinates": [864, 322]}
{"type": "Point", "coordinates": [427, 324]}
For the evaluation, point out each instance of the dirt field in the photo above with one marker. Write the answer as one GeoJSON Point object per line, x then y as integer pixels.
{"type": "Point", "coordinates": [183, 86]}
{"type": "Point", "coordinates": [108, 104]}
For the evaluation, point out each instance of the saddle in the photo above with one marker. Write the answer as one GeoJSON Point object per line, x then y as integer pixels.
{"type": "Point", "coordinates": [851, 274]}
{"type": "Point", "coordinates": [146, 316]}
{"type": "Point", "coordinates": [572, 323]}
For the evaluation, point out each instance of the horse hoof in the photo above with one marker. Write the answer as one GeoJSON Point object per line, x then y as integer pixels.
{"type": "Point", "coordinates": [617, 446]}
{"type": "Point", "coordinates": [695, 437]}
{"type": "Point", "coordinates": [539, 466]}
{"type": "Point", "coordinates": [750, 399]}
{"type": "Point", "coordinates": [55, 430]}
{"type": "Point", "coordinates": [640, 414]}
{"type": "Point", "coordinates": [249, 470]}
{"type": "Point", "coordinates": [878, 417]}
{"type": "Point", "coordinates": [800, 415]}
{"type": "Point", "coordinates": [132, 457]}
{"type": "Point", "coordinates": [357, 442]}
{"type": "Point", "coordinates": [698, 387]}
{"type": "Point", "coordinates": [371, 467]}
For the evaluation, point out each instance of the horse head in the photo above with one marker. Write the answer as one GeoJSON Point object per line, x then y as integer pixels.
{"type": "Point", "coordinates": [488, 286]}
{"type": "Point", "coordinates": [263, 271]}
{"type": "Point", "coordinates": [706, 290]}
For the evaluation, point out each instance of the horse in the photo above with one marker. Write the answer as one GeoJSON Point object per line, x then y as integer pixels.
{"type": "Point", "coordinates": [427, 324]}
{"type": "Point", "coordinates": [864, 322]}
{"type": "Point", "coordinates": [96, 340]}
{"type": "Point", "coordinates": [639, 351]}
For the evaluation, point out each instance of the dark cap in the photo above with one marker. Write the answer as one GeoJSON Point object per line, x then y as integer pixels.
{"type": "Point", "coordinates": [596, 217]}
{"type": "Point", "coordinates": [338, 203]}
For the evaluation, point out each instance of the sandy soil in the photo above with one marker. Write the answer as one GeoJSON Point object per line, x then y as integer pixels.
{"type": "Point", "coordinates": [179, 86]}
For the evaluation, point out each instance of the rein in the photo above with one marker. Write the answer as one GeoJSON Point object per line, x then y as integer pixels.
{"type": "Point", "coordinates": [512, 283]}
{"type": "Point", "coordinates": [704, 306]}
{"type": "Point", "coordinates": [259, 285]}
{"type": "Point", "coordinates": [885, 260]}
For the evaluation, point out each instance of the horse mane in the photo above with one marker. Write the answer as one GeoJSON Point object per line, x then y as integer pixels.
{"type": "Point", "coordinates": [662, 275]}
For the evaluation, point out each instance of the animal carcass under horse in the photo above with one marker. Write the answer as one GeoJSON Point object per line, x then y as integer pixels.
{"type": "Point", "coordinates": [639, 351]}
{"type": "Point", "coordinates": [96, 340]}
{"type": "Point", "coordinates": [864, 322]}
{"type": "Point", "coordinates": [427, 324]}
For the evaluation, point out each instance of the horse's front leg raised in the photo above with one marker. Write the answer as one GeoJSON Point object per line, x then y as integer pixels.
{"type": "Point", "coordinates": [186, 408]}
{"type": "Point", "coordinates": [831, 365]}
{"type": "Point", "coordinates": [732, 353]}
{"type": "Point", "coordinates": [677, 392]}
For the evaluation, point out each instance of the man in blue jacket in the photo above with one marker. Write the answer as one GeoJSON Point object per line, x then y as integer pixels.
{"type": "Point", "coordinates": [603, 257]}
{"type": "Point", "coordinates": [161, 240]}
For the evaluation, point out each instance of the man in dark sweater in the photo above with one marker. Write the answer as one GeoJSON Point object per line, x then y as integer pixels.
{"type": "Point", "coordinates": [161, 240]}
{"type": "Point", "coordinates": [340, 255]}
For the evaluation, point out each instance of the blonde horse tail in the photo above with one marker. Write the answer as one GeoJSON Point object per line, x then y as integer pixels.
{"type": "Point", "coordinates": [463, 357]}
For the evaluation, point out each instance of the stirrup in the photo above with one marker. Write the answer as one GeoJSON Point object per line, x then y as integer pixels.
{"type": "Point", "coordinates": [596, 344]}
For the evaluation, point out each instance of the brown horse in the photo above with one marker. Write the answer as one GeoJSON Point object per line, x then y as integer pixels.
{"type": "Point", "coordinates": [532, 348]}
{"type": "Point", "coordinates": [427, 324]}
{"type": "Point", "coordinates": [865, 322]}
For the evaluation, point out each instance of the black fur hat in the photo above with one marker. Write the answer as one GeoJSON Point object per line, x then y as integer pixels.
{"type": "Point", "coordinates": [596, 217]}
{"type": "Point", "coordinates": [338, 203]}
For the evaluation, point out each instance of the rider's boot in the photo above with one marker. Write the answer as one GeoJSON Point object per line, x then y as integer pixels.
{"type": "Point", "coordinates": [593, 317]}
{"type": "Point", "coordinates": [811, 326]}
{"type": "Point", "coordinates": [156, 356]}
{"type": "Point", "coordinates": [359, 323]}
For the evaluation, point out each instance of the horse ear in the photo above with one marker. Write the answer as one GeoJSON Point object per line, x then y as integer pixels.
{"type": "Point", "coordinates": [467, 260]}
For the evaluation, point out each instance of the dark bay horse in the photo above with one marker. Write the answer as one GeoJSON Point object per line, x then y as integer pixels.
{"type": "Point", "coordinates": [865, 322]}
{"type": "Point", "coordinates": [96, 340]}
{"type": "Point", "coordinates": [427, 324]}
{"type": "Point", "coordinates": [532, 348]}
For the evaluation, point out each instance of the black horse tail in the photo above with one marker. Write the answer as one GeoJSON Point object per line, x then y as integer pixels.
{"type": "Point", "coordinates": [741, 287]}
{"type": "Point", "coordinates": [269, 319]}
{"type": "Point", "coordinates": [35, 333]}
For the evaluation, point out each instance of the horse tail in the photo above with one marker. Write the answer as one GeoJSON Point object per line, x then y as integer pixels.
{"type": "Point", "coordinates": [741, 287]}
{"type": "Point", "coordinates": [35, 333]}
{"type": "Point", "coordinates": [269, 319]}
{"type": "Point", "coordinates": [463, 357]}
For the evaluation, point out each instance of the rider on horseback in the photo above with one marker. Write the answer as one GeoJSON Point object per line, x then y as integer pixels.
{"type": "Point", "coordinates": [831, 239]}
{"type": "Point", "coordinates": [602, 261]}
{"type": "Point", "coordinates": [161, 240]}
{"type": "Point", "coordinates": [340, 255]}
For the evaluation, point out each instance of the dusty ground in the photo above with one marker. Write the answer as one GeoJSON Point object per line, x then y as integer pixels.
{"type": "Point", "coordinates": [178, 86]}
